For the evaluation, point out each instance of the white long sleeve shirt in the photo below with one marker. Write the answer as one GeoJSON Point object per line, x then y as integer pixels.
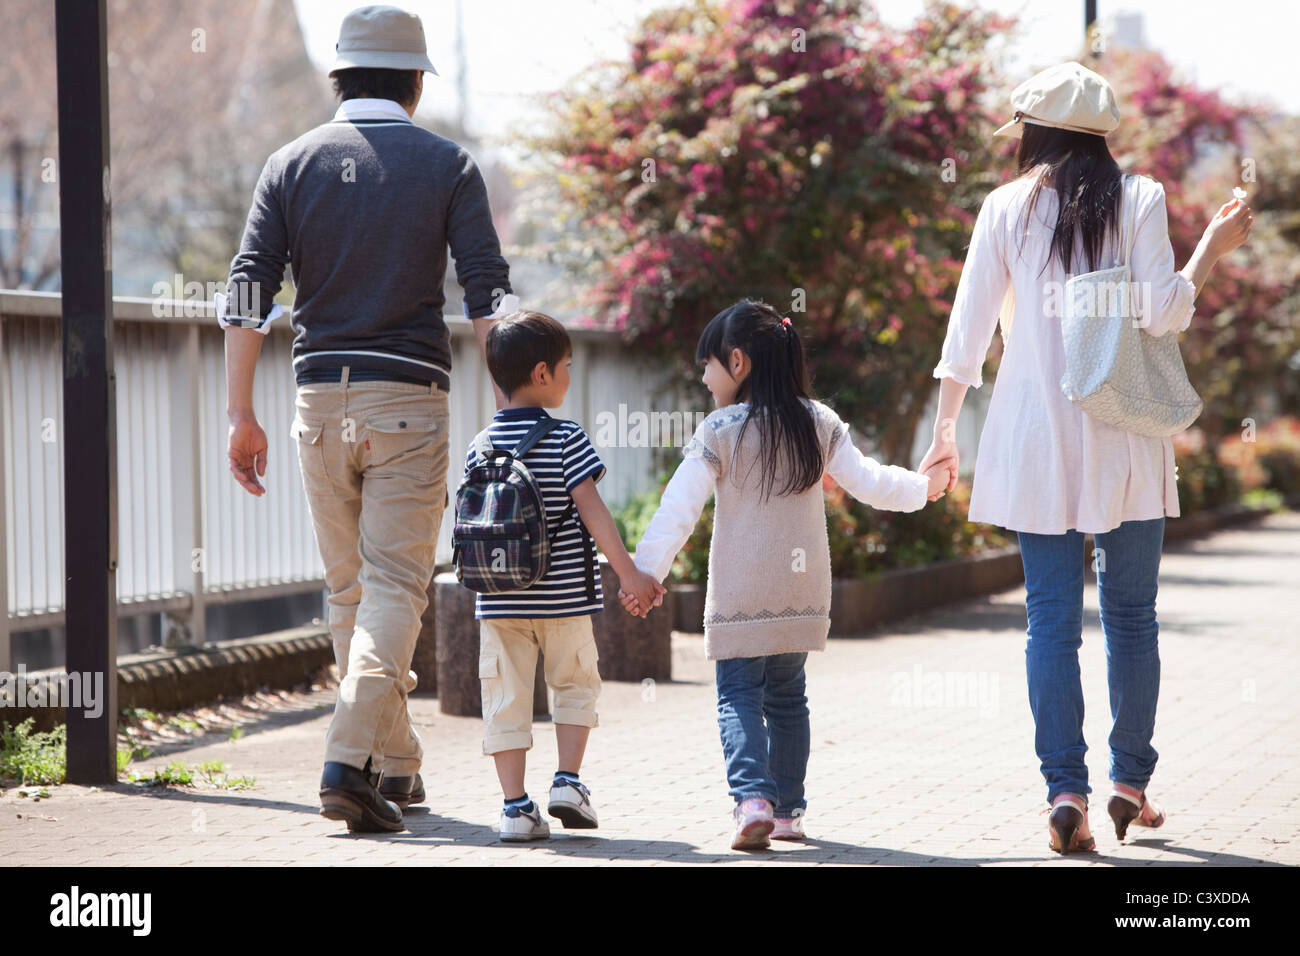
{"type": "Point", "coordinates": [1043, 465]}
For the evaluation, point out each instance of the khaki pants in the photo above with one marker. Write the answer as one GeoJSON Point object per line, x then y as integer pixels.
{"type": "Point", "coordinates": [507, 669]}
{"type": "Point", "coordinates": [374, 459]}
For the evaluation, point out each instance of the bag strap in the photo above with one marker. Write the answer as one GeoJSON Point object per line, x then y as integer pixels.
{"type": "Point", "coordinates": [588, 552]}
{"type": "Point", "coordinates": [535, 434]}
{"type": "Point", "coordinates": [487, 450]}
{"type": "Point", "coordinates": [1128, 214]}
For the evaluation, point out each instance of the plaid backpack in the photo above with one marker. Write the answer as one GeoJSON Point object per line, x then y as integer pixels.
{"type": "Point", "coordinates": [500, 540]}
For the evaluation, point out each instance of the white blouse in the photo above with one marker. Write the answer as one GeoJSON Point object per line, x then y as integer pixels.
{"type": "Point", "coordinates": [1043, 465]}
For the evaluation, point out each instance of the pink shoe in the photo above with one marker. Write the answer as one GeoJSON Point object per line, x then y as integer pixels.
{"type": "Point", "coordinates": [789, 828]}
{"type": "Point", "coordinates": [754, 822]}
{"type": "Point", "coordinates": [1130, 805]}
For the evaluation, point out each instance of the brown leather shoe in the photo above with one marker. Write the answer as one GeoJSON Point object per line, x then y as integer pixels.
{"type": "Point", "coordinates": [403, 791]}
{"type": "Point", "coordinates": [353, 796]}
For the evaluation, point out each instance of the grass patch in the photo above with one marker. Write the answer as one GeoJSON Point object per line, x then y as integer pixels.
{"type": "Point", "coordinates": [175, 774]}
{"type": "Point", "coordinates": [211, 774]}
{"type": "Point", "coordinates": [132, 716]}
{"type": "Point", "coordinates": [30, 757]}
{"type": "Point", "coordinates": [125, 756]}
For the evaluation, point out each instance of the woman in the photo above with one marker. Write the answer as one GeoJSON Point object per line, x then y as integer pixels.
{"type": "Point", "coordinates": [1049, 471]}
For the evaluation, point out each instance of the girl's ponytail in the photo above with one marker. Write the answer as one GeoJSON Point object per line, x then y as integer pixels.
{"type": "Point", "coordinates": [776, 389]}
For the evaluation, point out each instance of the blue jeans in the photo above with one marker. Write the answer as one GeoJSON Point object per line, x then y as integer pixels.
{"type": "Point", "coordinates": [1127, 567]}
{"type": "Point", "coordinates": [763, 718]}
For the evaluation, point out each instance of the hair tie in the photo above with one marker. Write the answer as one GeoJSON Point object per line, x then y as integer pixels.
{"type": "Point", "coordinates": [786, 321]}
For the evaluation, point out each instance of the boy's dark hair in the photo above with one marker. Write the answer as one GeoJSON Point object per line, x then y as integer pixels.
{"type": "Point", "coordinates": [518, 342]}
{"type": "Point", "coordinates": [373, 82]}
{"type": "Point", "coordinates": [777, 381]}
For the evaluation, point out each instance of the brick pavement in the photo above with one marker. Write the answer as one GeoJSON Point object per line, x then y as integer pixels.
{"type": "Point", "coordinates": [922, 754]}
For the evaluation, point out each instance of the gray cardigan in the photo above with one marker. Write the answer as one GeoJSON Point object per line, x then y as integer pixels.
{"type": "Point", "coordinates": [364, 209]}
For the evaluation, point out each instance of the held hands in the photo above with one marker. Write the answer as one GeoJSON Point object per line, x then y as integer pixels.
{"type": "Point", "coordinates": [639, 592]}
{"type": "Point", "coordinates": [940, 466]}
{"type": "Point", "coordinates": [246, 450]}
{"type": "Point", "coordinates": [939, 476]}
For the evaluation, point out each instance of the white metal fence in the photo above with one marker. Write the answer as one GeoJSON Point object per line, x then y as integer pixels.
{"type": "Point", "coordinates": [188, 535]}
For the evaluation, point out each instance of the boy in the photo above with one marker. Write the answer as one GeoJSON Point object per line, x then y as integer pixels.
{"type": "Point", "coordinates": [529, 356]}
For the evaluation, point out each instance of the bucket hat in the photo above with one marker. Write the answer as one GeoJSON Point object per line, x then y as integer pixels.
{"type": "Point", "coordinates": [384, 37]}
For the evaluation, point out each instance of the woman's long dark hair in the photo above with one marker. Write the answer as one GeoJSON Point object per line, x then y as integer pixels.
{"type": "Point", "coordinates": [777, 380]}
{"type": "Point", "coordinates": [1086, 179]}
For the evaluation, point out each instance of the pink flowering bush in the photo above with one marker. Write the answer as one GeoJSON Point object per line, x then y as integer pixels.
{"type": "Point", "coordinates": [793, 152]}
{"type": "Point", "coordinates": [1245, 330]}
{"type": "Point", "coordinates": [806, 154]}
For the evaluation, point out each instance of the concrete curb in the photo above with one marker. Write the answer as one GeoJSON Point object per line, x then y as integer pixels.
{"type": "Point", "coordinates": [175, 680]}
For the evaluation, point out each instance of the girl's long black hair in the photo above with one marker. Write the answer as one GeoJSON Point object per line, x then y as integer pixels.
{"type": "Point", "coordinates": [1086, 179]}
{"type": "Point", "coordinates": [777, 381]}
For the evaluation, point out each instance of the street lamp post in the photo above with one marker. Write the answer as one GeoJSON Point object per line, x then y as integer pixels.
{"type": "Point", "coordinates": [89, 408]}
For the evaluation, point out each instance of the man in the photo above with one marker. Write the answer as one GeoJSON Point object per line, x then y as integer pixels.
{"type": "Point", "coordinates": [364, 207]}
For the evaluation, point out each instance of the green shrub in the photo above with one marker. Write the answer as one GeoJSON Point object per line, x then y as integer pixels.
{"type": "Point", "coordinates": [865, 540]}
{"type": "Point", "coordinates": [1204, 481]}
{"type": "Point", "coordinates": [29, 757]}
{"type": "Point", "coordinates": [1278, 449]}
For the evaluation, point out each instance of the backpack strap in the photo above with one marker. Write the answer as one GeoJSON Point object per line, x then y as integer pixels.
{"type": "Point", "coordinates": [483, 445]}
{"type": "Point", "coordinates": [588, 552]}
{"type": "Point", "coordinates": [535, 434]}
{"type": "Point", "coordinates": [487, 450]}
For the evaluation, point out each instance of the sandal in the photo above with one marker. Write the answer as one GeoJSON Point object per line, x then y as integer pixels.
{"type": "Point", "coordinates": [1130, 805]}
{"type": "Point", "coordinates": [1067, 827]}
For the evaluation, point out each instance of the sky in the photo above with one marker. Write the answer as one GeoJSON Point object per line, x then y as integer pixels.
{"type": "Point", "coordinates": [518, 49]}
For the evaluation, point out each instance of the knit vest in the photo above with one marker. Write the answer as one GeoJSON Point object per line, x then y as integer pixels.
{"type": "Point", "coordinates": [769, 589]}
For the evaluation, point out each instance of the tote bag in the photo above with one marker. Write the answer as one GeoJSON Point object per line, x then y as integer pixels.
{"type": "Point", "coordinates": [1114, 371]}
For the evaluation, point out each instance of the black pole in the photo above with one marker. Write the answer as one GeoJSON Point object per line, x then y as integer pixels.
{"type": "Point", "coordinates": [89, 409]}
{"type": "Point", "coordinates": [1089, 18]}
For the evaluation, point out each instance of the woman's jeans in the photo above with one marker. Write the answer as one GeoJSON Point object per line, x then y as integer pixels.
{"type": "Point", "coordinates": [763, 717]}
{"type": "Point", "coordinates": [1127, 561]}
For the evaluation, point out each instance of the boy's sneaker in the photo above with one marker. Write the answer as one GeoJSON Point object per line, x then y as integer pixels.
{"type": "Point", "coordinates": [789, 828]}
{"type": "Point", "coordinates": [519, 825]}
{"type": "Point", "coordinates": [754, 821]}
{"type": "Point", "coordinates": [570, 803]}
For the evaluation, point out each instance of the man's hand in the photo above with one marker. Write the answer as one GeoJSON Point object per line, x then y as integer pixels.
{"type": "Point", "coordinates": [247, 453]}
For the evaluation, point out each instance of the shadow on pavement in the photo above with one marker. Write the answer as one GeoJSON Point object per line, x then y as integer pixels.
{"type": "Point", "coordinates": [239, 798]}
{"type": "Point", "coordinates": [425, 828]}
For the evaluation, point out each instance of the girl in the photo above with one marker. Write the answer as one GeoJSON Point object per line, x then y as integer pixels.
{"type": "Point", "coordinates": [763, 453]}
{"type": "Point", "coordinates": [1052, 473]}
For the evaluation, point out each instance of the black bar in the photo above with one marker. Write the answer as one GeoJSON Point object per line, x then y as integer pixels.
{"type": "Point", "coordinates": [89, 408]}
{"type": "Point", "coordinates": [1089, 18]}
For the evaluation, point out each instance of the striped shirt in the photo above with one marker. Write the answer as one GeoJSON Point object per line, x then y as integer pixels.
{"type": "Point", "coordinates": [559, 463]}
